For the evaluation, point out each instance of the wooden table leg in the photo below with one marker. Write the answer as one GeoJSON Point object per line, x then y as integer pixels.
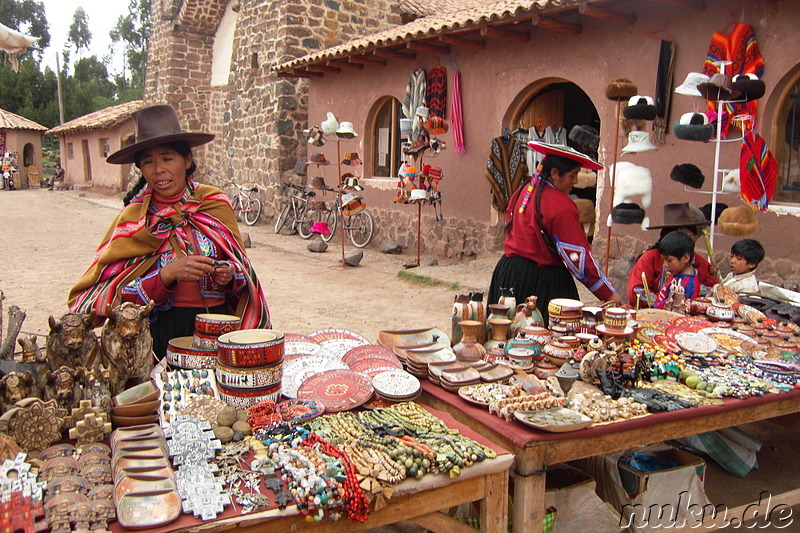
{"type": "Point", "coordinates": [494, 507]}
{"type": "Point", "coordinates": [529, 477]}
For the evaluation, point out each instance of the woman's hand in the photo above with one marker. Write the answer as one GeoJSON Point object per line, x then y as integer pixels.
{"type": "Point", "coordinates": [189, 268]}
{"type": "Point", "coordinates": [223, 273]}
{"type": "Point", "coordinates": [616, 299]}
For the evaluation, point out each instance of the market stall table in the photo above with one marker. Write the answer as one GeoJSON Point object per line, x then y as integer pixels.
{"type": "Point", "coordinates": [535, 450]}
{"type": "Point", "coordinates": [419, 501]}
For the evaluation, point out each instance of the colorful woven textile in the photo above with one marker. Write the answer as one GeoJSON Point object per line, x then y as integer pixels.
{"type": "Point", "coordinates": [415, 94]}
{"type": "Point", "coordinates": [741, 49]}
{"type": "Point", "coordinates": [137, 237]}
{"type": "Point", "coordinates": [457, 116]}
{"type": "Point", "coordinates": [758, 171]}
{"type": "Point", "coordinates": [436, 91]}
{"type": "Point", "coordinates": [505, 170]}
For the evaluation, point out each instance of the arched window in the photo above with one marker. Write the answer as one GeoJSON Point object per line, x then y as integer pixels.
{"type": "Point", "coordinates": [223, 46]}
{"type": "Point", "coordinates": [386, 154]}
{"type": "Point", "coordinates": [787, 149]}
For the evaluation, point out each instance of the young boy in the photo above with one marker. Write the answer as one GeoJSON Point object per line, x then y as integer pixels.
{"type": "Point", "coordinates": [745, 256]}
{"type": "Point", "coordinates": [677, 252]}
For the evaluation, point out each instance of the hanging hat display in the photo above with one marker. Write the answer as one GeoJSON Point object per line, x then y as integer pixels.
{"type": "Point", "coordinates": [750, 86]}
{"type": "Point", "coordinates": [706, 210]}
{"type": "Point", "coordinates": [693, 127]}
{"type": "Point", "coordinates": [346, 131]}
{"type": "Point", "coordinates": [719, 87]}
{"type": "Point", "coordinates": [627, 213]}
{"type": "Point", "coordinates": [739, 221]}
{"type": "Point", "coordinates": [689, 85]}
{"type": "Point", "coordinates": [351, 159]}
{"type": "Point", "coordinates": [437, 145]}
{"type": "Point", "coordinates": [585, 135]}
{"type": "Point", "coordinates": [640, 108]}
{"type": "Point", "coordinates": [330, 125]}
{"type": "Point", "coordinates": [681, 215]}
{"type": "Point", "coordinates": [639, 141]}
{"type": "Point", "coordinates": [620, 89]}
{"type": "Point", "coordinates": [418, 195]}
{"type": "Point", "coordinates": [422, 112]}
{"type": "Point", "coordinates": [314, 136]}
{"type": "Point", "coordinates": [317, 182]}
{"type": "Point", "coordinates": [688, 174]}
{"type": "Point", "coordinates": [565, 151]}
{"type": "Point", "coordinates": [352, 204]}
{"type": "Point", "coordinates": [318, 158]}
{"type": "Point", "coordinates": [731, 182]}
{"type": "Point", "coordinates": [351, 182]}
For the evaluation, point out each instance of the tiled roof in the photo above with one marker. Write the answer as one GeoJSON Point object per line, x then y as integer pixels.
{"type": "Point", "coordinates": [10, 121]}
{"type": "Point", "coordinates": [102, 119]}
{"type": "Point", "coordinates": [425, 8]}
{"type": "Point", "coordinates": [467, 14]}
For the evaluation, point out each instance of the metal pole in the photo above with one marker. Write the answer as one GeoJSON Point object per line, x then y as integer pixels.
{"type": "Point", "coordinates": [58, 90]}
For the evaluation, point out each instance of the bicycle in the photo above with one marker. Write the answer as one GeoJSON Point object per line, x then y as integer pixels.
{"type": "Point", "coordinates": [298, 207]}
{"type": "Point", "coordinates": [358, 222]}
{"type": "Point", "coordinates": [246, 203]}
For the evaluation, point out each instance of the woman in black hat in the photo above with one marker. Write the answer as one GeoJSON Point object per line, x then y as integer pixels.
{"type": "Point", "coordinates": [545, 243]}
{"type": "Point", "coordinates": [176, 242]}
{"type": "Point", "coordinates": [677, 217]}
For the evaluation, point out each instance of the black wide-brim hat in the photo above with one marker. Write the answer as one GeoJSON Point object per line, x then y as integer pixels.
{"type": "Point", "coordinates": [627, 213]}
{"type": "Point", "coordinates": [688, 174]}
{"type": "Point", "coordinates": [156, 125]}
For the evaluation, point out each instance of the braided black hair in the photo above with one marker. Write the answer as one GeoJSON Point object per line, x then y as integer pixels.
{"type": "Point", "coordinates": [131, 194]}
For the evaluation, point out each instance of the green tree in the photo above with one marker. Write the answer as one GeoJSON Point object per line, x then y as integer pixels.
{"type": "Point", "coordinates": [133, 30]}
{"type": "Point", "coordinates": [27, 16]}
{"type": "Point", "coordinates": [88, 89]}
{"type": "Point", "coordinates": [79, 35]}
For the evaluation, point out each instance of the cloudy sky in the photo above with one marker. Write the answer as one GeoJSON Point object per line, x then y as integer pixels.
{"type": "Point", "coordinates": [102, 15]}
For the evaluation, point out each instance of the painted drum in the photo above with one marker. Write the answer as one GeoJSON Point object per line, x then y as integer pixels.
{"type": "Point", "coordinates": [182, 353]}
{"type": "Point", "coordinates": [565, 307]}
{"type": "Point", "coordinates": [214, 325]}
{"type": "Point", "coordinates": [244, 398]}
{"type": "Point", "coordinates": [249, 377]}
{"type": "Point", "coordinates": [201, 340]}
{"type": "Point", "coordinates": [250, 348]}
{"type": "Point", "coordinates": [615, 319]}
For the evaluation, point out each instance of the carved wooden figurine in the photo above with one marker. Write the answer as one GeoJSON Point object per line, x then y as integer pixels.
{"type": "Point", "coordinates": [72, 341]}
{"type": "Point", "coordinates": [127, 346]}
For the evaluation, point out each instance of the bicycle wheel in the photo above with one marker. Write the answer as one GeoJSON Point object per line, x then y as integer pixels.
{"type": "Point", "coordinates": [282, 217]}
{"type": "Point", "coordinates": [331, 218]}
{"type": "Point", "coordinates": [236, 204]}
{"type": "Point", "coordinates": [252, 215]}
{"type": "Point", "coordinates": [304, 222]}
{"type": "Point", "coordinates": [360, 228]}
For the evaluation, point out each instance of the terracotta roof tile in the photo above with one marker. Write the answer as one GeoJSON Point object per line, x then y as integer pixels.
{"type": "Point", "coordinates": [425, 8]}
{"type": "Point", "coordinates": [466, 14]}
{"type": "Point", "coordinates": [104, 118]}
{"type": "Point", "coordinates": [10, 121]}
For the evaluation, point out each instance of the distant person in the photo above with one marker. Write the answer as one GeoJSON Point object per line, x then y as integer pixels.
{"type": "Point", "coordinates": [745, 256]}
{"type": "Point", "coordinates": [57, 177]}
{"type": "Point", "coordinates": [677, 253]}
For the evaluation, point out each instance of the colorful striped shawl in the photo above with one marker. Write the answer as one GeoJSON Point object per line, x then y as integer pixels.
{"type": "Point", "coordinates": [137, 238]}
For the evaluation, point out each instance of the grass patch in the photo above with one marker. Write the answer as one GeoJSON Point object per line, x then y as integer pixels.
{"type": "Point", "coordinates": [416, 279]}
{"type": "Point", "coordinates": [454, 286]}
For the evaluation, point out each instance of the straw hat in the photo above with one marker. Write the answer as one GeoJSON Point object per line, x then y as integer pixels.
{"type": "Point", "coordinates": [565, 151]}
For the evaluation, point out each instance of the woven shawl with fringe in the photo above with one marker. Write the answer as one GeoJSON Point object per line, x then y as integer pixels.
{"type": "Point", "coordinates": [137, 238]}
{"type": "Point", "coordinates": [741, 49]}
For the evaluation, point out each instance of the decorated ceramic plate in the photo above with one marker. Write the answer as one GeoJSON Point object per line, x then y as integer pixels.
{"type": "Point", "coordinates": [376, 402]}
{"type": "Point", "coordinates": [727, 339]}
{"type": "Point", "coordinates": [696, 342]}
{"type": "Point", "coordinates": [322, 335]}
{"type": "Point", "coordinates": [558, 420]}
{"type": "Point", "coordinates": [299, 410]}
{"type": "Point", "coordinates": [647, 333]}
{"type": "Point", "coordinates": [410, 337]}
{"type": "Point", "coordinates": [656, 317]}
{"type": "Point", "coordinates": [339, 347]}
{"type": "Point", "coordinates": [339, 390]}
{"type": "Point", "coordinates": [297, 370]}
{"type": "Point", "coordinates": [296, 337]}
{"type": "Point", "coordinates": [363, 365]}
{"type": "Point", "coordinates": [749, 313]}
{"type": "Point", "coordinates": [485, 393]}
{"type": "Point", "coordinates": [668, 343]}
{"type": "Point", "coordinates": [692, 323]}
{"type": "Point", "coordinates": [372, 372]}
{"type": "Point", "coordinates": [395, 384]}
{"type": "Point", "coordinates": [313, 348]}
{"type": "Point", "coordinates": [369, 351]}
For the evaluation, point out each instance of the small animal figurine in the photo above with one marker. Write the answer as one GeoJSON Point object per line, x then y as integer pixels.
{"type": "Point", "coordinates": [65, 386]}
{"type": "Point", "coordinates": [16, 386]}
{"type": "Point", "coordinates": [31, 353]}
{"type": "Point", "coordinates": [72, 341]}
{"type": "Point", "coordinates": [126, 344]}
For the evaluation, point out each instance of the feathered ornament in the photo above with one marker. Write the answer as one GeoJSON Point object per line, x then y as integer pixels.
{"type": "Point", "coordinates": [758, 171]}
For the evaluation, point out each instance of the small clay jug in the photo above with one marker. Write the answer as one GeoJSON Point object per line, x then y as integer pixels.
{"type": "Point", "coordinates": [469, 349]}
{"type": "Point", "coordinates": [477, 312]}
{"type": "Point", "coordinates": [499, 329]}
{"type": "Point", "coordinates": [507, 298]}
{"type": "Point", "coordinates": [495, 311]}
{"type": "Point", "coordinates": [460, 312]}
{"type": "Point", "coordinates": [527, 314]}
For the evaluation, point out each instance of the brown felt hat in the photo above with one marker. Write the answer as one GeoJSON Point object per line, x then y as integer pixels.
{"type": "Point", "coordinates": [682, 215]}
{"type": "Point", "coordinates": [156, 125]}
{"type": "Point", "coordinates": [719, 87]}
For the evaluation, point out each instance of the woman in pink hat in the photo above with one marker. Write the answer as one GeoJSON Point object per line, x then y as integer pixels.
{"type": "Point", "coordinates": [176, 242]}
{"type": "Point", "coordinates": [545, 245]}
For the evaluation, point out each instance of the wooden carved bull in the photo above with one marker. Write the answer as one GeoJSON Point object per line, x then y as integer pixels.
{"type": "Point", "coordinates": [72, 341]}
{"type": "Point", "coordinates": [65, 386]}
{"type": "Point", "coordinates": [126, 345]}
{"type": "Point", "coordinates": [16, 386]}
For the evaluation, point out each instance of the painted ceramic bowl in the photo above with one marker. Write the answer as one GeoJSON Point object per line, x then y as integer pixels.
{"type": "Point", "coordinates": [558, 352]}
{"type": "Point", "coordinates": [250, 348]}
{"type": "Point", "coordinates": [249, 377]}
{"type": "Point", "coordinates": [545, 369]}
{"type": "Point", "coordinates": [720, 312]}
{"type": "Point", "coordinates": [183, 353]}
{"type": "Point", "coordinates": [214, 325]}
{"type": "Point", "coordinates": [244, 398]}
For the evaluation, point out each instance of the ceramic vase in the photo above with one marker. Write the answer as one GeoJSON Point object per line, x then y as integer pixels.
{"type": "Point", "coordinates": [477, 312]}
{"type": "Point", "coordinates": [507, 298]}
{"type": "Point", "coordinates": [461, 312]}
{"type": "Point", "coordinates": [495, 311]}
{"type": "Point", "coordinates": [469, 349]}
{"type": "Point", "coordinates": [499, 332]}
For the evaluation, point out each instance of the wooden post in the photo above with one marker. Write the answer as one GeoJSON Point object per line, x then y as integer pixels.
{"type": "Point", "coordinates": [611, 183]}
{"type": "Point", "coordinates": [339, 193]}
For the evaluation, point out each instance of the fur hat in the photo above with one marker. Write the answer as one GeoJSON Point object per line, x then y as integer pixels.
{"type": "Point", "coordinates": [693, 127]}
{"type": "Point", "coordinates": [706, 209]}
{"type": "Point", "coordinates": [627, 213]}
{"type": "Point", "coordinates": [739, 221]}
{"type": "Point", "coordinates": [688, 174]}
{"type": "Point", "coordinates": [749, 85]}
{"type": "Point", "coordinates": [620, 89]}
{"type": "Point", "coordinates": [585, 135]}
{"type": "Point", "coordinates": [640, 107]}
{"type": "Point", "coordinates": [586, 178]}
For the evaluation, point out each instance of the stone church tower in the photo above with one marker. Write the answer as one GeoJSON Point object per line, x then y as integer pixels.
{"type": "Point", "coordinates": [211, 60]}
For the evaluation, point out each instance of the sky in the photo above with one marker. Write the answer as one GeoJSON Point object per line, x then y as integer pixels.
{"type": "Point", "coordinates": [103, 15]}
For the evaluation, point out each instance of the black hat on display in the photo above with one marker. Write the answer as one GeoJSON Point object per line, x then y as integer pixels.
{"type": "Point", "coordinates": [627, 213]}
{"type": "Point", "coordinates": [688, 174]}
{"type": "Point", "coordinates": [620, 89]}
{"type": "Point", "coordinates": [706, 209]}
{"type": "Point", "coordinates": [750, 86]}
{"type": "Point", "coordinates": [585, 135]}
{"type": "Point", "coordinates": [693, 127]}
{"type": "Point", "coordinates": [640, 107]}
{"type": "Point", "coordinates": [719, 87]}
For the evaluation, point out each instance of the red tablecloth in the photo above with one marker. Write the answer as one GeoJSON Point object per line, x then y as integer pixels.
{"type": "Point", "coordinates": [522, 435]}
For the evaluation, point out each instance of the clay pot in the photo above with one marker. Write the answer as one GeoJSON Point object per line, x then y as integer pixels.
{"type": "Point", "coordinates": [496, 311]}
{"type": "Point", "coordinates": [545, 369]}
{"type": "Point", "coordinates": [526, 315]}
{"type": "Point", "coordinates": [558, 352]}
{"type": "Point", "coordinates": [469, 349]}
{"type": "Point", "coordinates": [460, 312]}
{"type": "Point", "coordinates": [499, 330]}
{"type": "Point", "coordinates": [720, 313]}
{"type": "Point", "coordinates": [507, 298]}
{"type": "Point", "coordinates": [699, 306]}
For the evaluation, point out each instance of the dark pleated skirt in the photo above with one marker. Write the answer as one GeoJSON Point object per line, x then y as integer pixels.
{"type": "Point", "coordinates": [177, 322]}
{"type": "Point", "coordinates": [527, 278]}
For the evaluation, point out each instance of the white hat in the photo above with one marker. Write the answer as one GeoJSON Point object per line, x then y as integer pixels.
{"type": "Point", "coordinates": [346, 131]}
{"type": "Point", "coordinates": [689, 85]}
{"type": "Point", "coordinates": [418, 195]}
{"type": "Point", "coordinates": [422, 111]}
{"type": "Point", "coordinates": [639, 141]}
{"type": "Point", "coordinates": [330, 125]}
